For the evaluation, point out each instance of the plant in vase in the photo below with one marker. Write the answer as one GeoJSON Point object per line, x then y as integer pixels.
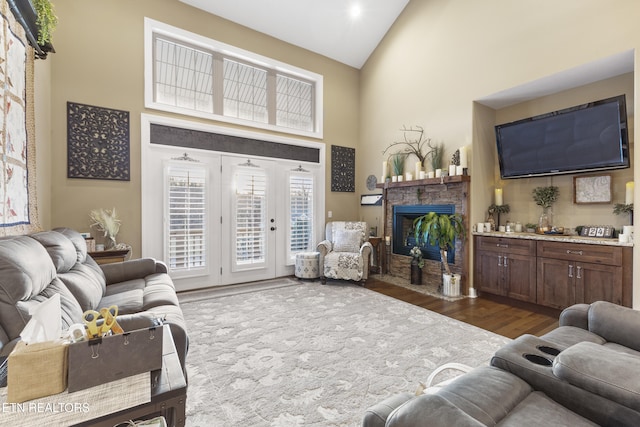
{"type": "Point", "coordinates": [440, 230]}
{"type": "Point", "coordinates": [107, 222]}
{"type": "Point", "coordinates": [416, 265]}
{"type": "Point", "coordinates": [397, 163]}
{"type": "Point", "coordinates": [545, 197]}
{"type": "Point", "coordinates": [436, 155]}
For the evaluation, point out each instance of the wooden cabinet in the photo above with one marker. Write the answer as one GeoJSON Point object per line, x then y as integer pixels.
{"type": "Point", "coordinates": [506, 267]}
{"type": "Point", "coordinates": [571, 273]}
{"type": "Point", "coordinates": [553, 273]}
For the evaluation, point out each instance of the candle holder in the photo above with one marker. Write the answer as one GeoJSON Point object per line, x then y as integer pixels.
{"type": "Point", "coordinates": [499, 209]}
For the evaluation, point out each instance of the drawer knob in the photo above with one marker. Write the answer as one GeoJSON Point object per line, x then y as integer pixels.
{"type": "Point", "coordinates": [502, 245]}
{"type": "Point", "coordinates": [569, 252]}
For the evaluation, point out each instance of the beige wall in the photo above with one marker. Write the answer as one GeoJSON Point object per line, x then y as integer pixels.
{"type": "Point", "coordinates": [443, 55]}
{"type": "Point", "coordinates": [99, 61]}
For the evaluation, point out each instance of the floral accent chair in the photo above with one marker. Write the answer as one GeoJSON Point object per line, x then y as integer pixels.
{"type": "Point", "coordinates": [346, 252]}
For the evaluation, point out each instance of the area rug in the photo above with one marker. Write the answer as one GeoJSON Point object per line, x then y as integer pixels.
{"type": "Point", "coordinates": [314, 355]}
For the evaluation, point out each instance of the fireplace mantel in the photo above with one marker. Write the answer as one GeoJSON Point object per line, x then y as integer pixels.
{"type": "Point", "coordinates": [428, 181]}
{"type": "Point", "coordinates": [449, 190]}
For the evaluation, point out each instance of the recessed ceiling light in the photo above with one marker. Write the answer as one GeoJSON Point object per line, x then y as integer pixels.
{"type": "Point", "coordinates": [355, 11]}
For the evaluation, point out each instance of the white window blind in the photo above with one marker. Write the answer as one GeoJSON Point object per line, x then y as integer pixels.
{"type": "Point", "coordinates": [245, 92]}
{"type": "Point", "coordinates": [250, 216]}
{"type": "Point", "coordinates": [294, 103]}
{"type": "Point", "coordinates": [186, 217]}
{"type": "Point", "coordinates": [183, 76]}
{"type": "Point", "coordinates": [300, 212]}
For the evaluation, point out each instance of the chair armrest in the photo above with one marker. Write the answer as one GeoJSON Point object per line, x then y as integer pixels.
{"type": "Point", "coordinates": [577, 315]}
{"type": "Point", "coordinates": [133, 269]}
{"type": "Point", "coordinates": [366, 251]}
{"type": "Point", "coordinates": [324, 247]}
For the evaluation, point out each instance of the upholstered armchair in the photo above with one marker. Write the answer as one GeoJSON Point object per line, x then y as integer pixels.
{"type": "Point", "coordinates": [345, 254]}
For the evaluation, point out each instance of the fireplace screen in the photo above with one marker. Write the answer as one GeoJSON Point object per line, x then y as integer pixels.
{"type": "Point", "coordinates": [403, 231]}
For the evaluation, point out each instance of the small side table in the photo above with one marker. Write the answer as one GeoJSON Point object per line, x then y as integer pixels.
{"type": "Point", "coordinates": [108, 257]}
{"type": "Point", "coordinates": [378, 246]}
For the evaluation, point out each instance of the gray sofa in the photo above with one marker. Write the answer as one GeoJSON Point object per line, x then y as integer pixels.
{"type": "Point", "coordinates": [585, 372]}
{"type": "Point", "coordinates": [35, 267]}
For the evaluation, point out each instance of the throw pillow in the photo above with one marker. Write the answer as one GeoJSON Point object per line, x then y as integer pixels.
{"type": "Point", "coordinates": [347, 241]}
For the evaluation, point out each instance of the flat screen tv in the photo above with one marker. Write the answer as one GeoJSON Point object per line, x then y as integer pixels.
{"type": "Point", "coordinates": [587, 137]}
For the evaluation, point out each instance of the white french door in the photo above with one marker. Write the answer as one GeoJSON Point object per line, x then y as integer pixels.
{"type": "Point", "coordinates": [249, 219]}
{"type": "Point", "coordinates": [221, 218]}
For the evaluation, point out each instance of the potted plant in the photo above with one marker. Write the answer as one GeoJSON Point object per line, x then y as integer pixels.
{"type": "Point", "coordinates": [416, 265]}
{"type": "Point", "coordinates": [397, 164]}
{"type": "Point", "coordinates": [437, 155]}
{"type": "Point", "coordinates": [545, 197]}
{"type": "Point", "coordinates": [441, 230]}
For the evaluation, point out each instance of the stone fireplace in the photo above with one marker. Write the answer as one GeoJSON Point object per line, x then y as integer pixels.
{"type": "Point", "coordinates": [405, 201]}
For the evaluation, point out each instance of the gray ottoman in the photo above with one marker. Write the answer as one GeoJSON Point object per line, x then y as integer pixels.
{"type": "Point", "coordinates": [307, 265]}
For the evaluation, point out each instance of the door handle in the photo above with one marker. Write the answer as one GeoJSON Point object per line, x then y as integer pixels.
{"type": "Point", "coordinates": [273, 228]}
{"type": "Point", "coordinates": [570, 270]}
{"type": "Point", "coordinates": [499, 260]}
{"type": "Point", "coordinates": [579, 275]}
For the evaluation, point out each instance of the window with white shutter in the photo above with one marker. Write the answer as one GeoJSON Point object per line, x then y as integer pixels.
{"type": "Point", "coordinates": [250, 222]}
{"type": "Point", "coordinates": [186, 221]}
{"type": "Point", "coordinates": [300, 213]}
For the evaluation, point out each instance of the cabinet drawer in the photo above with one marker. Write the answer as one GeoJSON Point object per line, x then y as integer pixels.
{"type": "Point", "coordinates": [505, 244]}
{"type": "Point", "coordinates": [597, 254]}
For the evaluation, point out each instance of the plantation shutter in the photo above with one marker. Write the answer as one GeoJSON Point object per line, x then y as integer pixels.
{"type": "Point", "coordinates": [250, 216]}
{"type": "Point", "coordinates": [186, 217]}
{"type": "Point", "coordinates": [300, 213]}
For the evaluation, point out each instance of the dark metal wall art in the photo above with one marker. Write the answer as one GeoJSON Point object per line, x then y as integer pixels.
{"type": "Point", "coordinates": [97, 142]}
{"type": "Point", "coordinates": [343, 169]}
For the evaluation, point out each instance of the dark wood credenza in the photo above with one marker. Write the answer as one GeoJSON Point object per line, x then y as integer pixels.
{"type": "Point", "coordinates": [552, 273]}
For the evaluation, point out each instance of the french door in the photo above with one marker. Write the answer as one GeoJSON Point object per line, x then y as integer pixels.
{"type": "Point", "coordinates": [250, 232]}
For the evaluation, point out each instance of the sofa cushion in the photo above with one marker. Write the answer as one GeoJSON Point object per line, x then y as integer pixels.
{"type": "Point", "coordinates": [60, 249]}
{"type": "Point", "coordinates": [486, 393]}
{"type": "Point", "coordinates": [87, 286]}
{"type": "Point", "coordinates": [376, 415]}
{"type": "Point", "coordinates": [615, 323]}
{"type": "Point", "coordinates": [77, 240]}
{"type": "Point", "coordinates": [436, 409]}
{"type": "Point", "coordinates": [602, 371]}
{"type": "Point", "coordinates": [538, 409]}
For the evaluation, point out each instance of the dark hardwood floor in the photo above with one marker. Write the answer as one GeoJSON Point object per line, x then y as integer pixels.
{"type": "Point", "coordinates": [507, 318]}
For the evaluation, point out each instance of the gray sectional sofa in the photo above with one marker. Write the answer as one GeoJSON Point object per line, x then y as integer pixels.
{"type": "Point", "coordinates": [586, 372]}
{"type": "Point", "coordinates": [34, 267]}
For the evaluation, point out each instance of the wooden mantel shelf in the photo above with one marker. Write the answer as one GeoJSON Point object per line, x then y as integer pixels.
{"type": "Point", "coordinates": [428, 181]}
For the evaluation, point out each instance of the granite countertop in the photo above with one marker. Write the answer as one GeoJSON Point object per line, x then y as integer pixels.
{"type": "Point", "coordinates": [555, 238]}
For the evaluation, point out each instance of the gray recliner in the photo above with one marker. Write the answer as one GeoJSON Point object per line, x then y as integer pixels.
{"type": "Point", "coordinates": [345, 254]}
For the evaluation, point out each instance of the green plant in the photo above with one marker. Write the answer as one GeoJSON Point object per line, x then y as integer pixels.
{"type": "Point", "coordinates": [545, 196]}
{"type": "Point", "coordinates": [46, 21]}
{"type": "Point", "coordinates": [436, 154]}
{"type": "Point", "coordinates": [439, 230]}
{"type": "Point", "coordinates": [397, 163]}
{"type": "Point", "coordinates": [531, 225]}
{"type": "Point", "coordinates": [416, 253]}
{"type": "Point", "coordinates": [621, 208]}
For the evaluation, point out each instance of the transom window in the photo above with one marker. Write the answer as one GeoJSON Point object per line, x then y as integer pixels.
{"type": "Point", "coordinates": [192, 75]}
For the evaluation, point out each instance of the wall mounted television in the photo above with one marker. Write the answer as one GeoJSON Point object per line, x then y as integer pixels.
{"type": "Point", "coordinates": [587, 137]}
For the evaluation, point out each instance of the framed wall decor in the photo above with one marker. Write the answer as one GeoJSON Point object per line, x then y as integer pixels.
{"type": "Point", "coordinates": [97, 142]}
{"type": "Point", "coordinates": [343, 169]}
{"type": "Point", "coordinates": [592, 189]}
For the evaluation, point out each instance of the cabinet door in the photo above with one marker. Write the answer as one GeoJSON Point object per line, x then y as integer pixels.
{"type": "Point", "coordinates": [555, 282]}
{"type": "Point", "coordinates": [489, 273]}
{"type": "Point", "coordinates": [598, 283]}
{"type": "Point", "coordinates": [520, 277]}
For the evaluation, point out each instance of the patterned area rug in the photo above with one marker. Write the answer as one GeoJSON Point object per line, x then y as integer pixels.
{"type": "Point", "coordinates": [314, 355]}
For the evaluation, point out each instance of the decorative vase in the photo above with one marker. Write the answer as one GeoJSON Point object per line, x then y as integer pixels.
{"type": "Point", "coordinates": [451, 285]}
{"type": "Point", "coordinates": [544, 222]}
{"type": "Point", "coordinates": [416, 273]}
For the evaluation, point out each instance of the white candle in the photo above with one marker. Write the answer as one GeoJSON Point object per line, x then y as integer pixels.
{"type": "Point", "coordinates": [628, 199]}
{"type": "Point", "coordinates": [459, 170]}
{"type": "Point", "coordinates": [384, 170]}
{"type": "Point", "coordinates": [418, 169]}
{"type": "Point", "coordinates": [463, 156]}
{"type": "Point", "coordinates": [498, 196]}
{"type": "Point", "coordinates": [409, 176]}
{"type": "Point", "coordinates": [438, 173]}
{"type": "Point", "coordinates": [422, 175]}
{"type": "Point", "coordinates": [452, 170]}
